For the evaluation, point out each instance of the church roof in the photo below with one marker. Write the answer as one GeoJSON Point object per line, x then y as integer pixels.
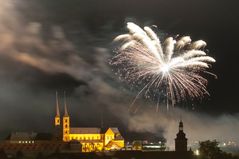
{"type": "Point", "coordinates": [115, 130]}
{"type": "Point", "coordinates": [18, 136]}
{"type": "Point", "coordinates": [83, 130]}
{"type": "Point", "coordinates": [57, 106]}
{"type": "Point", "coordinates": [113, 144]}
{"type": "Point", "coordinates": [119, 137]}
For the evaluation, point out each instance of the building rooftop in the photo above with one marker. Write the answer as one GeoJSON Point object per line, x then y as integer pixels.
{"type": "Point", "coordinates": [84, 130]}
{"type": "Point", "coordinates": [16, 136]}
{"type": "Point", "coordinates": [115, 130]}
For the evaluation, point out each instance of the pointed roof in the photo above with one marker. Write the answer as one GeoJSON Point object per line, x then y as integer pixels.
{"type": "Point", "coordinates": [65, 107]}
{"type": "Point", "coordinates": [181, 124]}
{"type": "Point", "coordinates": [115, 130]}
{"type": "Point", "coordinates": [181, 135]}
{"type": "Point", "coordinates": [113, 145]}
{"type": "Point", "coordinates": [57, 105]}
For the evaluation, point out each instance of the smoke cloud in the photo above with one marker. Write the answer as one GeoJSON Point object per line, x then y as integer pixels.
{"type": "Point", "coordinates": [197, 126]}
{"type": "Point", "coordinates": [37, 59]}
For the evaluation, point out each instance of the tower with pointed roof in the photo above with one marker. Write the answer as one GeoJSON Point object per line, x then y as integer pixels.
{"type": "Point", "coordinates": [181, 140]}
{"type": "Point", "coordinates": [91, 138]}
{"type": "Point", "coordinates": [57, 123]}
{"type": "Point", "coordinates": [66, 122]}
{"type": "Point", "coordinates": [57, 117]}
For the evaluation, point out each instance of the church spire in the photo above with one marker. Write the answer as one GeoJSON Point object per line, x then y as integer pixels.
{"type": "Point", "coordinates": [181, 140]}
{"type": "Point", "coordinates": [57, 105]}
{"type": "Point", "coordinates": [65, 106]}
{"type": "Point", "coordinates": [57, 117]}
{"type": "Point", "coordinates": [66, 122]}
{"type": "Point", "coordinates": [180, 125]}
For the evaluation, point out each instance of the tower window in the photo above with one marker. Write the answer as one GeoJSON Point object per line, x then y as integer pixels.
{"type": "Point", "coordinates": [65, 120]}
{"type": "Point", "coordinates": [66, 126]}
{"type": "Point", "coordinates": [181, 128]}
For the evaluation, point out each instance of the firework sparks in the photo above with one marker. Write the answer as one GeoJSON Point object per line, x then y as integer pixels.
{"type": "Point", "coordinates": [174, 67]}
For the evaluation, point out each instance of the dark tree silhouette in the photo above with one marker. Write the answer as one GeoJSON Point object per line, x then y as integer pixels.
{"type": "Point", "coordinates": [40, 156]}
{"type": "Point", "coordinates": [211, 150]}
{"type": "Point", "coordinates": [19, 155]}
{"type": "Point", "coordinates": [3, 154]}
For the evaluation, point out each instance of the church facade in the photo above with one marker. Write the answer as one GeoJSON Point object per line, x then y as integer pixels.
{"type": "Point", "coordinates": [91, 138]}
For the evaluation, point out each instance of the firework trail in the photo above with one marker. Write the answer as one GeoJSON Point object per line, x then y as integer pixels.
{"type": "Point", "coordinates": [174, 67]}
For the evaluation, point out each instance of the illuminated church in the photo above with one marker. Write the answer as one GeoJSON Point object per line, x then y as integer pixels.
{"type": "Point", "coordinates": [91, 138]}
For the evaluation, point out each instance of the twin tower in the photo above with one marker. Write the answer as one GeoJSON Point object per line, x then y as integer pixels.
{"type": "Point", "coordinates": [91, 138]}
{"type": "Point", "coordinates": [62, 131]}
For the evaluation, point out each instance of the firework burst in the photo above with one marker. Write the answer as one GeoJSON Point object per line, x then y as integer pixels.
{"type": "Point", "coordinates": [174, 67]}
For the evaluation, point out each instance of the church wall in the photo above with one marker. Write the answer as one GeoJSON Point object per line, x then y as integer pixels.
{"type": "Point", "coordinates": [57, 121]}
{"type": "Point", "coordinates": [119, 143]}
{"type": "Point", "coordinates": [109, 135]}
{"type": "Point", "coordinates": [85, 137]}
{"type": "Point", "coordinates": [92, 146]}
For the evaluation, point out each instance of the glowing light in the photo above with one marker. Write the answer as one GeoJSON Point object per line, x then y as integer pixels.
{"type": "Point", "coordinates": [197, 153]}
{"type": "Point", "coordinates": [173, 68]}
{"type": "Point", "coordinates": [165, 68]}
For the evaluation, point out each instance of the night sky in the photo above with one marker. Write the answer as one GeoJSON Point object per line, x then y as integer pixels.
{"type": "Point", "coordinates": [66, 45]}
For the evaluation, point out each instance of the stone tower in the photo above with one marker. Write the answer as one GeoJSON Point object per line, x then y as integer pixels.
{"type": "Point", "coordinates": [181, 140]}
{"type": "Point", "coordinates": [57, 124]}
{"type": "Point", "coordinates": [66, 123]}
{"type": "Point", "coordinates": [57, 117]}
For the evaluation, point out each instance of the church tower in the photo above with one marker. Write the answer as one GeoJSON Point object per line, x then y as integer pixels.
{"type": "Point", "coordinates": [66, 122]}
{"type": "Point", "coordinates": [57, 124]}
{"type": "Point", "coordinates": [57, 117]}
{"type": "Point", "coordinates": [181, 140]}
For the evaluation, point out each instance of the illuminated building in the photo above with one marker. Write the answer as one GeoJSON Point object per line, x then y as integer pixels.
{"type": "Point", "coordinates": [91, 139]}
{"type": "Point", "coordinates": [76, 141]}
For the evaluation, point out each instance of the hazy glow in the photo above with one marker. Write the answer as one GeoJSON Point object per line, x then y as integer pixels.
{"type": "Point", "coordinates": [174, 66]}
{"type": "Point", "coordinates": [197, 153]}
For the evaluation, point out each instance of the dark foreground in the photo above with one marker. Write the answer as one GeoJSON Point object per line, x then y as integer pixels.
{"type": "Point", "coordinates": [125, 155]}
